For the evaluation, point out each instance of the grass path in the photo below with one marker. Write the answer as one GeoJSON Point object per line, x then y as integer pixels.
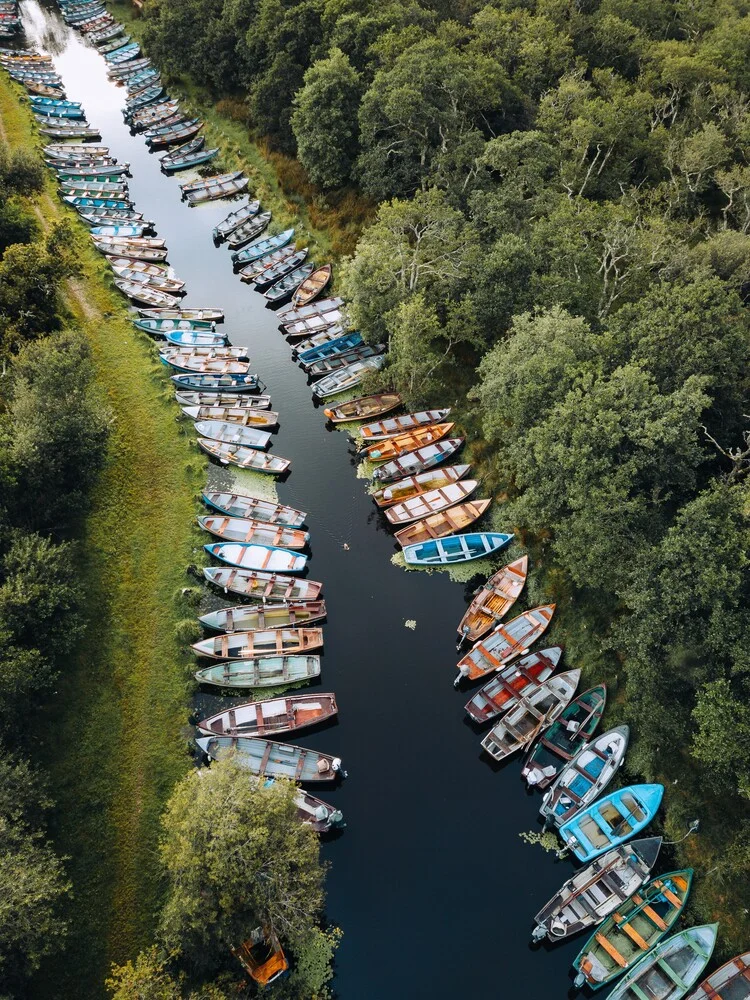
{"type": "Point", "coordinates": [114, 748]}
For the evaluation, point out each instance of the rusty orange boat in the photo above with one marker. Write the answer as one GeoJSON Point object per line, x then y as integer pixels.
{"type": "Point", "coordinates": [262, 957]}
{"type": "Point", "coordinates": [400, 444]}
{"type": "Point", "coordinates": [505, 643]}
{"type": "Point", "coordinates": [494, 600]}
{"type": "Point", "coordinates": [312, 286]}
{"type": "Point", "coordinates": [259, 642]}
{"type": "Point", "coordinates": [444, 522]}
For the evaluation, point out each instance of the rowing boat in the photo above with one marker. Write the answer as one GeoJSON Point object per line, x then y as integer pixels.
{"type": "Point", "coordinates": [274, 760]}
{"type": "Point", "coordinates": [431, 502]}
{"type": "Point", "coordinates": [139, 292]}
{"type": "Point", "coordinates": [243, 529]}
{"type": "Point", "coordinates": [442, 523]}
{"type": "Point", "coordinates": [234, 220]}
{"type": "Point", "coordinates": [243, 505]}
{"type": "Point", "coordinates": [245, 458]}
{"type": "Point", "coordinates": [564, 738]}
{"type": "Point", "coordinates": [262, 586]}
{"type": "Point", "coordinates": [364, 408]}
{"type": "Point", "coordinates": [248, 231]}
{"type": "Point", "coordinates": [233, 433]}
{"type": "Point", "coordinates": [394, 447]}
{"type": "Point", "coordinates": [509, 684]}
{"type": "Point", "coordinates": [207, 381]}
{"type": "Point", "coordinates": [729, 982]}
{"type": "Point", "coordinates": [264, 558]}
{"type": "Point", "coordinates": [261, 642]}
{"type": "Point", "coordinates": [246, 617]}
{"type": "Point", "coordinates": [195, 338]}
{"type": "Point", "coordinates": [326, 345]}
{"type": "Point", "coordinates": [312, 286]}
{"type": "Point", "coordinates": [266, 671]}
{"type": "Point", "coordinates": [671, 968]}
{"type": "Point", "coordinates": [412, 463]}
{"type": "Point", "coordinates": [288, 261]}
{"type": "Point", "coordinates": [272, 716]}
{"type": "Point", "coordinates": [310, 319]}
{"type": "Point", "coordinates": [611, 820]}
{"type": "Point", "coordinates": [261, 402]}
{"type": "Point", "coordinates": [506, 642]}
{"type": "Point", "coordinates": [284, 286]}
{"type": "Point", "coordinates": [247, 416]}
{"type": "Point", "coordinates": [347, 378]}
{"type": "Point", "coordinates": [493, 601]}
{"type": "Point", "coordinates": [415, 486]}
{"type": "Point", "coordinates": [255, 269]}
{"type": "Point", "coordinates": [456, 548]}
{"type": "Point", "coordinates": [254, 251]}
{"type": "Point", "coordinates": [344, 359]}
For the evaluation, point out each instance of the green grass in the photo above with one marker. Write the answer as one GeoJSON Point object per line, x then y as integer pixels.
{"type": "Point", "coordinates": [111, 741]}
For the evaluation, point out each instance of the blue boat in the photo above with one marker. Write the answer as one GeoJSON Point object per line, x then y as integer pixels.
{"type": "Point", "coordinates": [99, 203]}
{"type": "Point", "coordinates": [336, 346]}
{"type": "Point", "coordinates": [265, 558]}
{"type": "Point", "coordinates": [160, 327]}
{"type": "Point", "coordinates": [456, 548]}
{"type": "Point", "coordinates": [142, 77]}
{"type": "Point", "coordinates": [258, 249]}
{"type": "Point", "coordinates": [57, 111]}
{"type": "Point", "coordinates": [146, 97]}
{"type": "Point", "coordinates": [195, 338]}
{"type": "Point", "coordinates": [125, 52]}
{"type": "Point", "coordinates": [206, 382]}
{"type": "Point", "coordinates": [53, 102]}
{"type": "Point", "coordinates": [187, 160]}
{"type": "Point", "coordinates": [611, 821]}
{"type": "Point", "coordinates": [118, 230]}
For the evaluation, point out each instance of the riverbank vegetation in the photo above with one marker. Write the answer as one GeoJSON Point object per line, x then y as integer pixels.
{"type": "Point", "coordinates": [562, 245]}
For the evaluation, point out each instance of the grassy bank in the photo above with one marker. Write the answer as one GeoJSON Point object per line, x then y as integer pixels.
{"type": "Point", "coordinates": [111, 739]}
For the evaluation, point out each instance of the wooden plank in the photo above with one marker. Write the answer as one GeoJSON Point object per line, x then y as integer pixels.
{"type": "Point", "coordinates": [611, 950]}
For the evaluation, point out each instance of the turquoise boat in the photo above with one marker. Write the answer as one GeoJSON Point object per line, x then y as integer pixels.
{"type": "Point", "coordinates": [671, 969]}
{"type": "Point", "coordinates": [100, 203]}
{"type": "Point", "coordinates": [145, 98]}
{"type": "Point", "coordinates": [612, 820]}
{"type": "Point", "coordinates": [265, 558]}
{"type": "Point", "coordinates": [330, 349]}
{"type": "Point", "coordinates": [58, 111]}
{"type": "Point", "coordinates": [165, 326]}
{"type": "Point", "coordinates": [195, 338]}
{"type": "Point", "coordinates": [254, 251]}
{"type": "Point", "coordinates": [52, 102]}
{"type": "Point", "coordinates": [128, 230]}
{"type": "Point", "coordinates": [188, 160]}
{"type": "Point", "coordinates": [123, 54]}
{"type": "Point", "coordinates": [456, 548]}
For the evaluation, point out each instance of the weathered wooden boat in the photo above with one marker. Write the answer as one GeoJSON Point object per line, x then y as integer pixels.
{"type": "Point", "coordinates": [506, 642]}
{"type": "Point", "coordinates": [671, 968]}
{"type": "Point", "coordinates": [187, 160]}
{"type": "Point", "coordinates": [193, 146]}
{"type": "Point", "coordinates": [308, 354]}
{"type": "Point", "coordinates": [105, 45]}
{"type": "Point", "coordinates": [274, 760]}
{"type": "Point", "coordinates": [317, 813]}
{"type": "Point", "coordinates": [50, 102]}
{"type": "Point", "coordinates": [187, 365]}
{"type": "Point", "coordinates": [595, 892]}
{"type": "Point", "coordinates": [138, 291]}
{"type": "Point", "coordinates": [159, 280]}
{"type": "Point", "coordinates": [310, 319]}
{"type": "Point", "coordinates": [262, 957]}
{"type": "Point", "coordinates": [730, 982]}
{"type": "Point", "coordinates": [400, 444]}
{"type": "Point", "coordinates": [251, 272]}
{"type": "Point", "coordinates": [245, 458]}
{"type": "Point", "coordinates": [246, 416]}
{"type": "Point", "coordinates": [244, 505]}
{"type": "Point", "coordinates": [111, 174]}
{"type": "Point", "coordinates": [285, 286]}
{"type": "Point", "coordinates": [444, 522]}
{"type": "Point", "coordinates": [266, 671]}
{"type": "Point", "coordinates": [143, 98]}
{"type": "Point", "coordinates": [254, 251]}
{"type": "Point", "coordinates": [162, 327]}
{"type": "Point", "coordinates": [249, 555]}
{"type": "Point", "coordinates": [70, 132]}
{"type": "Point", "coordinates": [175, 136]}
{"type": "Point", "coordinates": [205, 381]}
{"type": "Point", "coordinates": [246, 617]}
{"type": "Point", "coordinates": [134, 231]}
{"type": "Point", "coordinates": [235, 219]}
{"type": "Point", "coordinates": [154, 115]}
{"type": "Point", "coordinates": [78, 151]}
{"type": "Point", "coordinates": [456, 548]}
{"type": "Point", "coordinates": [343, 359]}
{"type": "Point", "coordinates": [163, 122]}
{"type": "Point", "coordinates": [202, 182]}
{"type": "Point", "coordinates": [511, 683]}
{"type": "Point", "coordinates": [248, 231]}
{"type": "Point", "coordinates": [493, 601]}
{"type": "Point", "coordinates": [413, 463]}
{"type": "Point", "coordinates": [44, 89]}
{"type": "Point", "coordinates": [415, 486]}
{"type": "Point", "coordinates": [393, 427]}
{"type": "Point", "coordinates": [312, 286]}
{"type": "Point", "coordinates": [128, 68]}
{"type": "Point", "coordinates": [627, 935]}
{"type": "Point", "coordinates": [132, 251]}
{"type": "Point", "coordinates": [561, 742]}
{"type": "Point", "coordinates": [347, 378]}
{"type": "Point", "coordinates": [261, 642]}
{"type": "Point", "coordinates": [262, 586]}
{"type": "Point", "coordinates": [136, 82]}
{"type": "Point", "coordinates": [611, 820]}
{"type": "Point", "coordinates": [585, 777]}
{"type": "Point", "coordinates": [431, 502]}
{"type": "Point", "coordinates": [272, 716]}
{"type": "Point", "coordinates": [521, 724]}
{"type": "Point", "coordinates": [243, 529]}
{"type": "Point", "coordinates": [203, 314]}
{"type": "Point", "coordinates": [123, 54]}
{"type": "Point", "coordinates": [217, 188]}
{"type": "Point", "coordinates": [122, 264]}
{"type": "Point", "coordinates": [232, 433]}
{"type": "Point", "coordinates": [364, 408]}
{"type": "Point", "coordinates": [81, 203]}
{"type": "Point", "coordinates": [289, 262]}
{"type": "Point", "coordinates": [60, 109]}
{"type": "Point", "coordinates": [221, 399]}
{"type": "Point", "coordinates": [195, 338]}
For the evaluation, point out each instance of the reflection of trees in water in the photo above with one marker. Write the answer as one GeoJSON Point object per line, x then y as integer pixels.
{"type": "Point", "coordinates": [53, 38]}
{"type": "Point", "coordinates": [45, 29]}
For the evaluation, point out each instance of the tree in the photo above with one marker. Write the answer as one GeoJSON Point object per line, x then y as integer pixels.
{"type": "Point", "coordinates": [324, 120]}
{"type": "Point", "coordinates": [149, 978]}
{"type": "Point", "coordinates": [722, 738]}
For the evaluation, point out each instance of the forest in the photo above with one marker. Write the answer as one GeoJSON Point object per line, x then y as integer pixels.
{"type": "Point", "coordinates": [559, 239]}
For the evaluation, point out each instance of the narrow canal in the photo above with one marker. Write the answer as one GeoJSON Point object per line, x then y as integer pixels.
{"type": "Point", "coordinates": [430, 882]}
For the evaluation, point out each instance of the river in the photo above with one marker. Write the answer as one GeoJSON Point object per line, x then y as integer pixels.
{"type": "Point", "coordinates": [430, 882]}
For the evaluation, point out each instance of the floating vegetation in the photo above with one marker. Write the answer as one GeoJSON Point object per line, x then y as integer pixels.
{"type": "Point", "coordinates": [547, 840]}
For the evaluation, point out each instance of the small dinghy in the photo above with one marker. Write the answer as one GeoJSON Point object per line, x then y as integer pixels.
{"type": "Point", "coordinates": [212, 399]}
{"type": "Point", "coordinates": [347, 378]}
{"type": "Point", "coordinates": [195, 358]}
{"type": "Point", "coordinates": [442, 523]}
{"type": "Point", "coordinates": [247, 416]}
{"type": "Point", "coordinates": [265, 558]}
{"type": "Point", "coordinates": [267, 671]}
{"type": "Point", "coordinates": [414, 462]}
{"type": "Point", "coordinates": [344, 359]}
{"type": "Point", "coordinates": [274, 760]}
{"type": "Point", "coordinates": [260, 248]}
{"type": "Point", "coordinates": [308, 353]}
{"type": "Point", "coordinates": [730, 982]}
{"type": "Point", "coordinates": [364, 408]}
{"type": "Point", "coordinates": [456, 548]}
{"type": "Point", "coordinates": [205, 314]}
{"type": "Point", "coordinates": [210, 382]}
{"type": "Point", "coordinates": [70, 132]}
{"type": "Point", "coordinates": [264, 277]}
{"type": "Point", "coordinates": [244, 505]}
{"type": "Point", "coordinates": [627, 935]}
{"type": "Point", "coordinates": [195, 338]}
{"type": "Point", "coordinates": [194, 146]}
{"type": "Point", "coordinates": [431, 502]}
{"type": "Point", "coordinates": [416, 486]}
{"type": "Point", "coordinates": [63, 151]}
{"type": "Point", "coordinates": [272, 716]}
{"type": "Point", "coordinates": [262, 586]}
{"type": "Point", "coordinates": [243, 529]}
{"type": "Point", "coordinates": [310, 319]}
{"type": "Point", "coordinates": [263, 642]}
{"type": "Point", "coordinates": [674, 965]}
{"type": "Point", "coordinates": [511, 683]}
{"type": "Point", "coordinates": [611, 820]}
{"type": "Point", "coordinates": [317, 813]}
{"type": "Point", "coordinates": [312, 286]}
{"type": "Point", "coordinates": [245, 458]}
{"type": "Point", "coordinates": [120, 264]}
{"type": "Point", "coordinates": [188, 365]}
{"type": "Point", "coordinates": [157, 279]}
{"type": "Point", "coordinates": [280, 289]}
{"type": "Point", "coordinates": [585, 777]}
{"type": "Point", "coordinates": [493, 601]}
{"type": "Point", "coordinates": [137, 291]}
{"type": "Point", "coordinates": [521, 725]}
{"type": "Point", "coordinates": [564, 738]}
{"type": "Point", "coordinates": [393, 427]}
{"type": "Point", "coordinates": [234, 220]}
{"type": "Point", "coordinates": [248, 231]}
{"type": "Point", "coordinates": [162, 327]}
{"type": "Point", "coordinates": [595, 892]}
{"type": "Point", "coordinates": [184, 161]}
{"type": "Point", "coordinates": [256, 269]}
{"type": "Point", "coordinates": [247, 617]}
{"type": "Point", "coordinates": [136, 232]}
{"type": "Point", "coordinates": [506, 642]}
{"type": "Point", "coordinates": [232, 433]}
{"type": "Point", "coordinates": [220, 187]}
{"type": "Point", "coordinates": [175, 135]}
{"type": "Point", "coordinates": [112, 243]}
{"type": "Point", "coordinates": [132, 251]}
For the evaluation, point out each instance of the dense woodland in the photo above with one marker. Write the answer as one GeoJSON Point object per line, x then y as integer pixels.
{"type": "Point", "coordinates": [562, 241]}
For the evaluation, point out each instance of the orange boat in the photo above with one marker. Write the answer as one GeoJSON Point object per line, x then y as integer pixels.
{"type": "Point", "coordinates": [364, 408]}
{"type": "Point", "coordinates": [262, 957]}
{"type": "Point", "coordinates": [416, 486]}
{"type": "Point", "coordinates": [400, 444]}
{"type": "Point", "coordinates": [259, 642]}
{"type": "Point", "coordinates": [312, 286]}
{"type": "Point", "coordinates": [505, 643]}
{"type": "Point", "coordinates": [445, 522]}
{"type": "Point", "coordinates": [494, 600]}
{"type": "Point", "coordinates": [516, 681]}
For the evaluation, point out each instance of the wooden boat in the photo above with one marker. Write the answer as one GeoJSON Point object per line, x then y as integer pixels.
{"type": "Point", "coordinates": [218, 367]}
{"type": "Point", "coordinates": [63, 151]}
{"type": "Point", "coordinates": [564, 738]}
{"type": "Point", "coordinates": [671, 968]}
{"type": "Point", "coordinates": [193, 146]}
{"type": "Point", "coordinates": [44, 89]}
{"type": "Point", "coordinates": [163, 327]}
{"type": "Point", "coordinates": [188, 160]}
{"type": "Point", "coordinates": [71, 132]}
{"type": "Point", "coordinates": [593, 893]}
{"type": "Point", "coordinates": [311, 319]}
{"type": "Point", "coordinates": [246, 617]}
{"type": "Point", "coordinates": [249, 230]}
{"type": "Point", "coordinates": [273, 760]}
{"type": "Point", "coordinates": [730, 982]}
{"type": "Point", "coordinates": [245, 458]}
{"type": "Point", "coordinates": [493, 601]}
{"type": "Point", "coordinates": [272, 716]}
{"type": "Point", "coordinates": [520, 725]}
{"type": "Point", "coordinates": [244, 505]}
{"type": "Point", "coordinates": [122, 264]}
{"type": "Point", "coordinates": [222, 399]}
{"type": "Point", "coordinates": [175, 135]}
{"type": "Point", "coordinates": [442, 523]}
{"type": "Point", "coordinates": [347, 378]}
{"type": "Point", "coordinates": [60, 109]}
{"type": "Point", "coordinates": [344, 359]}
{"type": "Point", "coordinates": [137, 291]}
{"type": "Point", "coordinates": [242, 529]}
{"type": "Point", "coordinates": [156, 115]}
{"type": "Point", "coordinates": [49, 102]}
{"type": "Point", "coordinates": [262, 957]}
{"type": "Point", "coordinates": [128, 68]}
{"type": "Point", "coordinates": [263, 278]}
{"type": "Point", "coordinates": [611, 820]}
{"type": "Point", "coordinates": [416, 486]}
{"type": "Point", "coordinates": [123, 54]}
{"type": "Point", "coordinates": [263, 642]}
{"type": "Point", "coordinates": [307, 353]}
{"type": "Point", "coordinates": [203, 182]}
{"type": "Point", "coordinates": [108, 173]}
{"type": "Point", "coordinates": [312, 286]}
{"type": "Point", "coordinates": [81, 204]}
{"type": "Point", "coordinates": [262, 586]}
{"type": "Point", "coordinates": [158, 280]}
{"type": "Point", "coordinates": [393, 427]}
{"type": "Point", "coordinates": [412, 463]}
{"type": "Point", "coordinates": [506, 642]}
{"type": "Point", "coordinates": [511, 683]}
{"type": "Point", "coordinates": [191, 313]}
{"type": "Point", "coordinates": [132, 252]}
{"type": "Point", "coordinates": [431, 502]}
{"type": "Point", "coordinates": [627, 935]}
{"type": "Point", "coordinates": [235, 219]}
{"type": "Point", "coordinates": [112, 31]}
{"type": "Point", "coordinates": [232, 433]}
{"type": "Point", "coordinates": [250, 272]}
{"type": "Point", "coordinates": [116, 243]}
{"type": "Point", "coordinates": [585, 777]}
{"type": "Point", "coordinates": [364, 408]}
{"type": "Point", "coordinates": [195, 338]}
{"type": "Point", "coordinates": [247, 416]}
{"type": "Point", "coordinates": [134, 232]}
{"type": "Point", "coordinates": [260, 248]}
{"type": "Point", "coordinates": [217, 189]}
{"type": "Point", "coordinates": [265, 558]}
{"type": "Point", "coordinates": [205, 381]}
{"type": "Point", "coordinates": [400, 444]}
{"type": "Point", "coordinates": [456, 548]}
{"type": "Point", "coordinates": [267, 671]}
{"type": "Point", "coordinates": [105, 45]}
{"type": "Point", "coordinates": [284, 286]}
{"type": "Point", "coordinates": [317, 813]}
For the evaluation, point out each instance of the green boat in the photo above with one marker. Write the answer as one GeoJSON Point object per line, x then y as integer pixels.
{"type": "Point", "coordinates": [637, 926]}
{"type": "Point", "coordinates": [671, 969]}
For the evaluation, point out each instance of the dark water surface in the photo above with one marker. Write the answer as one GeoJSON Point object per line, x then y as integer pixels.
{"type": "Point", "coordinates": [430, 882]}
